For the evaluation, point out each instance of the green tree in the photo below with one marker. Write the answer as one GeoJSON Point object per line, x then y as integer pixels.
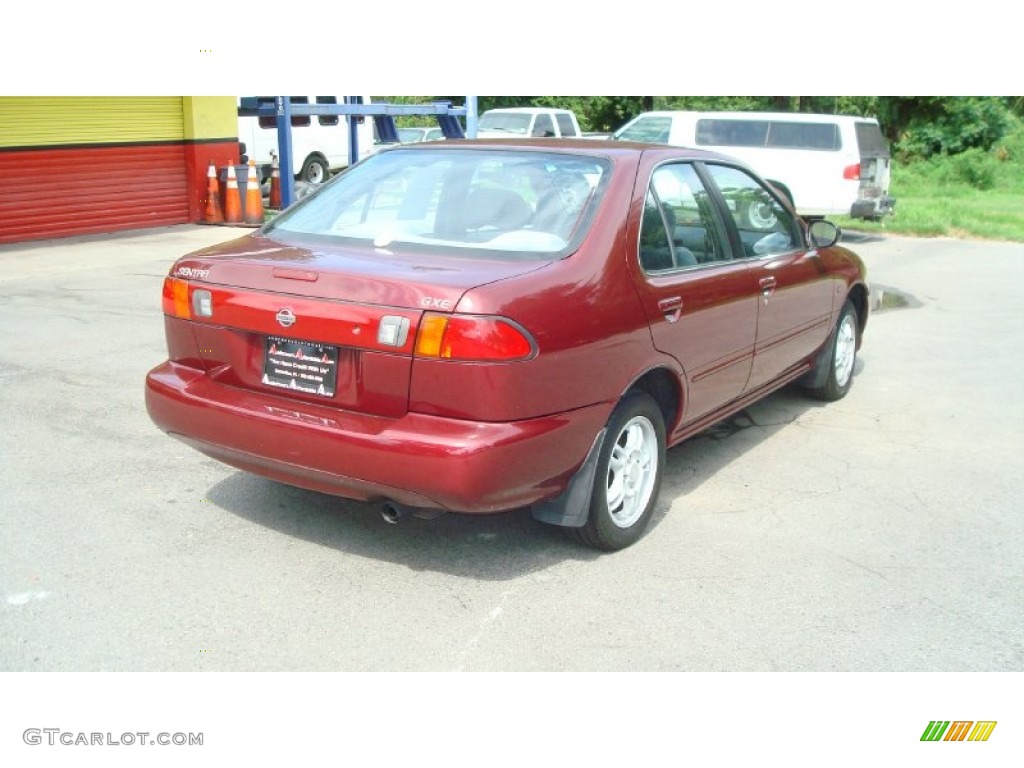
{"type": "Point", "coordinates": [923, 126]}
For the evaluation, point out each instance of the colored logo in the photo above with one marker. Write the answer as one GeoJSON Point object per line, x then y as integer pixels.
{"type": "Point", "coordinates": [958, 730]}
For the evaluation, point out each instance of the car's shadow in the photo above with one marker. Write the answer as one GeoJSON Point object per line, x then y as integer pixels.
{"type": "Point", "coordinates": [850, 236]}
{"type": "Point", "coordinates": [490, 547]}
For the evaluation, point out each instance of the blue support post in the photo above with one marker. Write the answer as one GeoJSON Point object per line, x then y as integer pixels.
{"type": "Point", "coordinates": [284, 145]}
{"type": "Point", "coordinates": [353, 131]}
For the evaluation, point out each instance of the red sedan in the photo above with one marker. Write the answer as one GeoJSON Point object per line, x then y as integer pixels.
{"type": "Point", "coordinates": [478, 326]}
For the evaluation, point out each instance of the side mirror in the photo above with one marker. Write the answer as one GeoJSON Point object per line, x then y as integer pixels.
{"type": "Point", "coordinates": [823, 234]}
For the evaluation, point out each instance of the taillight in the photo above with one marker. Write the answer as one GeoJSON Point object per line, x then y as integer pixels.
{"type": "Point", "coordinates": [175, 299]}
{"type": "Point", "coordinates": [472, 338]}
{"type": "Point", "coordinates": [852, 172]}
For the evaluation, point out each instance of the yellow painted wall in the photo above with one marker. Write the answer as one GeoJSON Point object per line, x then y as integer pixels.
{"type": "Point", "coordinates": [210, 117]}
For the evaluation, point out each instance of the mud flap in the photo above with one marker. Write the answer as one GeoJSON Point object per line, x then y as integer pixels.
{"type": "Point", "coordinates": [572, 507]}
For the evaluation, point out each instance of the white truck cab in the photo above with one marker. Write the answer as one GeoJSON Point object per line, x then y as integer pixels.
{"type": "Point", "coordinates": [522, 122]}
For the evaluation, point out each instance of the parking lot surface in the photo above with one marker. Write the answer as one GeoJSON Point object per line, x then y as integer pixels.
{"type": "Point", "coordinates": [879, 533]}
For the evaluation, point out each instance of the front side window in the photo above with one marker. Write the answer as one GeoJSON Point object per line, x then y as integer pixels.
{"type": "Point", "coordinates": [765, 226]}
{"type": "Point", "coordinates": [679, 227]}
{"type": "Point", "coordinates": [515, 204]}
{"type": "Point", "coordinates": [647, 129]}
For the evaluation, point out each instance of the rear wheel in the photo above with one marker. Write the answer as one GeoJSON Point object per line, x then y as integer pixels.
{"type": "Point", "coordinates": [314, 170]}
{"type": "Point", "coordinates": [628, 477]}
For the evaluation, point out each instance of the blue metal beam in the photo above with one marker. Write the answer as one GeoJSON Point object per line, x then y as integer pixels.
{"type": "Point", "coordinates": [284, 109]}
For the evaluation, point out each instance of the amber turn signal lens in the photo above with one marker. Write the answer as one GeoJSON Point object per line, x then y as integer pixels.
{"type": "Point", "coordinates": [431, 334]}
{"type": "Point", "coordinates": [175, 298]}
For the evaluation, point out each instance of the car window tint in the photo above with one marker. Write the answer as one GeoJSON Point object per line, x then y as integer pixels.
{"type": "Point", "coordinates": [689, 229]}
{"type": "Point", "coordinates": [765, 226]}
{"type": "Point", "coordinates": [518, 203]}
{"type": "Point", "coordinates": [722, 132]}
{"type": "Point", "coordinates": [823, 136]}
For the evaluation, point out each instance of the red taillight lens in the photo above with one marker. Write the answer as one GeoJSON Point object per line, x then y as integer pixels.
{"type": "Point", "coordinates": [852, 172]}
{"type": "Point", "coordinates": [175, 299]}
{"type": "Point", "coordinates": [472, 338]}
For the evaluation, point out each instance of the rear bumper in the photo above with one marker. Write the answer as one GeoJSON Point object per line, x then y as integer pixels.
{"type": "Point", "coordinates": [872, 208]}
{"type": "Point", "coordinates": [416, 460]}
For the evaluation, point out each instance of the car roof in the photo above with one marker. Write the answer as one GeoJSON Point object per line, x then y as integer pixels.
{"type": "Point", "coordinates": [604, 148]}
{"type": "Point", "coordinates": [793, 117]}
{"type": "Point", "coordinates": [529, 110]}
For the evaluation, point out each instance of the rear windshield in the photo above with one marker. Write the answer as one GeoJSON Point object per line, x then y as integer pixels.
{"type": "Point", "coordinates": [505, 122]}
{"type": "Point", "coordinates": [870, 141]}
{"type": "Point", "coordinates": [510, 204]}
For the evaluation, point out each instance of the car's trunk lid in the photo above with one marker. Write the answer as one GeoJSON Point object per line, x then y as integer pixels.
{"type": "Point", "coordinates": [329, 325]}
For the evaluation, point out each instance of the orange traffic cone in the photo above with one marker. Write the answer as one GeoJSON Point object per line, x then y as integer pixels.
{"type": "Point", "coordinates": [213, 213]}
{"type": "Point", "coordinates": [232, 201]}
{"type": "Point", "coordinates": [275, 185]}
{"type": "Point", "coordinates": [253, 197]}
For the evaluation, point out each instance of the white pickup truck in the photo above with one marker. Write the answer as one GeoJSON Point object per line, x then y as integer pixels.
{"type": "Point", "coordinates": [537, 122]}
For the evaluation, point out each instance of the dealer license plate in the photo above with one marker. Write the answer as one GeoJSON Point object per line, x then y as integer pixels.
{"type": "Point", "coordinates": [301, 366]}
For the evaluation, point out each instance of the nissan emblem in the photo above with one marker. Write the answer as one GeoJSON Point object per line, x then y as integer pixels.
{"type": "Point", "coordinates": [286, 317]}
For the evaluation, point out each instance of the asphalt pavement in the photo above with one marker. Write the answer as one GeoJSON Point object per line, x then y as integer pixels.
{"type": "Point", "coordinates": [879, 533]}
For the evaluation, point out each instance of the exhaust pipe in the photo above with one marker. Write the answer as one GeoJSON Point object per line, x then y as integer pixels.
{"type": "Point", "coordinates": [394, 513]}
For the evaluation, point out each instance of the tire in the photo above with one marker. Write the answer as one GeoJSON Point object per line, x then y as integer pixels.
{"type": "Point", "coordinates": [842, 357]}
{"type": "Point", "coordinates": [628, 477]}
{"type": "Point", "coordinates": [314, 170]}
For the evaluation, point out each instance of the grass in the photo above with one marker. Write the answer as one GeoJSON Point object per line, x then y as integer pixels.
{"type": "Point", "coordinates": [973, 195]}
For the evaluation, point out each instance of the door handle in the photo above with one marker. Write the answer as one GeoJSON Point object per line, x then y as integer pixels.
{"type": "Point", "coordinates": [767, 287]}
{"type": "Point", "coordinates": [671, 308]}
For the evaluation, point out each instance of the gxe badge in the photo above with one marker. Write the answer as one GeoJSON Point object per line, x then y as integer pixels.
{"type": "Point", "coordinates": [286, 317]}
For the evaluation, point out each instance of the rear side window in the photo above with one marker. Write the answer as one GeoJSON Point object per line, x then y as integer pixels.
{"type": "Point", "coordinates": [327, 119]}
{"type": "Point", "coordinates": [647, 129]}
{"type": "Point", "coordinates": [870, 140]}
{"type": "Point", "coordinates": [544, 127]}
{"type": "Point", "coordinates": [679, 227]}
{"type": "Point", "coordinates": [565, 124]}
{"type": "Point", "coordinates": [298, 121]}
{"type": "Point", "coordinates": [732, 133]}
{"type": "Point", "coordinates": [823, 136]}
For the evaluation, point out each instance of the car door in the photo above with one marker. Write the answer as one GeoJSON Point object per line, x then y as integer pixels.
{"type": "Point", "coordinates": [701, 303]}
{"type": "Point", "coordinates": [795, 290]}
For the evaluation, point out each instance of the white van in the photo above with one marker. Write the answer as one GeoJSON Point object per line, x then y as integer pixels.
{"type": "Point", "coordinates": [319, 143]}
{"type": "Point", "coordinates": [824, 164]}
